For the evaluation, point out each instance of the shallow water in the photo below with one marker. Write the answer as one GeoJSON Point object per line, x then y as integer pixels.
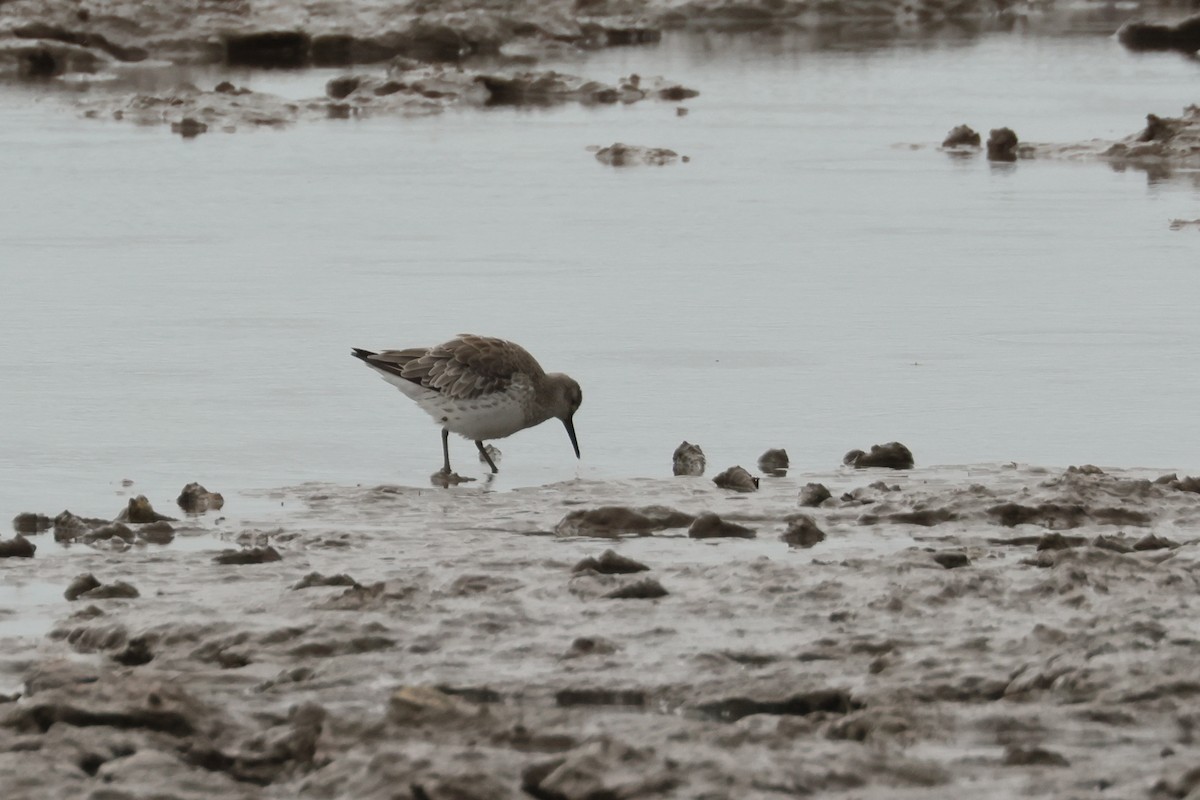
{"type": "Point", "coordinates": [183, 310]}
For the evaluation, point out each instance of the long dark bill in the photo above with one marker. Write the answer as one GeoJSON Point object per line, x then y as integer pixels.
{"type": "Point", "coordinates": [570, 426]}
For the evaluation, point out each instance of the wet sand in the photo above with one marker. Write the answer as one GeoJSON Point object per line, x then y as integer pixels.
{"type": "Point", "coordinates": [1001, 630]}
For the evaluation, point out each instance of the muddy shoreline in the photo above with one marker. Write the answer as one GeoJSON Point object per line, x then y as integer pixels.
{"type": "Point", "coordinates": [998, 629]}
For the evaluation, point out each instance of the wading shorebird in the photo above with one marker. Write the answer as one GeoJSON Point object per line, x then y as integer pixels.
{"type": "Point", "coordinates": [480, 388]}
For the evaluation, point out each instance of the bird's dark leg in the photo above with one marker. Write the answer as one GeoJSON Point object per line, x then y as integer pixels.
{"type": "Point", "coordinates": [483, 452]}
{"type": "Point", "coordinates": [446, 451]}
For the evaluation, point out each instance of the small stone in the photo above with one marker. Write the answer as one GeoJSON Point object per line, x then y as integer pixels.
{"type": "Point", "coordinates": [710, 526]}
{"type": "Point", "coordinates": [737, 479]}
{"type": "Point", "coordinates": [628, 155]}
{"type": "Point", "coordinates": [814, 494]}
{"type": "Point", "coordinates": [681, 111]}
{"type": "Point", "coordinates": [1033, 756]}
{"type": "Point", "coordinates": [195, 499]}
{"type": "Point", "coordinates": [82, 583]}
{"type": "Point", "coordinates": [136, 653]}
{"type": "Point", "coordinates": [189, 128]}
{"type": "Point", "coordinates": [774, 463]}
{"type": "Point", "coordinates": [156, 533]}
{"type": "Point", "coordinates": [1002, 145]}
{"type": "Point", "coordinates": [248, 555]}
{"type": "Point", "coordinates": [17, 547]}
{"type": "Point", "coordinates": [802, 531]}
{"type": "Point", "coordinates": [590, 646]}
{"type": "Point", "coordinates": [31, 523]}
{"type": "Point", "coordinates": [317, 579]}
{"type": "Point", "coordinates": [1113, 543]}
{"type": "Point", "coordinates": [892, 455]}
{"type": "Point", "coordinates": [1056, 541]}
{"type": "Point", "coordinates": [1152, 542]}
{"type": "Point", "coordinates": [140, 511]}
{"type": "Point", "coordinates": [688, 459]}
{"type": "Point", "coordinates": [610, 563]}
{"type": "Point", "coordinates": [339, 88]}
{"type": "Point", "coordinates": [952, 560]}
{"type": "Point", "coordinates": [962, 136]}
{"type": "Point", "coordinates": [110, 591]}
{"type": "Point", "coordinates": [225, 87]}
{"type": "Point", "coordinates": [646, 589]}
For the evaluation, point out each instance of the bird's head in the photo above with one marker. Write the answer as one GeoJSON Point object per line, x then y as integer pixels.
{"type": "Point", "coordinates": [566, 397]}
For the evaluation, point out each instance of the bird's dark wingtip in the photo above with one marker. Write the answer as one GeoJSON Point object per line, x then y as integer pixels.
{"type": "Point", "coordinates": [359, 353]}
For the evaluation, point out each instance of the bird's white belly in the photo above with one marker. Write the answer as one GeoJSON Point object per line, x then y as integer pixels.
{"type": "Point", "coordinates": [490, 417]}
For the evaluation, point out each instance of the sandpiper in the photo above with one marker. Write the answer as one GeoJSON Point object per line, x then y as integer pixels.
{"type": "Point", "coordinates": [480, 388]}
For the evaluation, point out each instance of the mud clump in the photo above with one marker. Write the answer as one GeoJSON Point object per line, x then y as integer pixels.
{"type": "Point", "coordinates": [962, 136]}
{"type": "Point", "coordinates": [248, 555]}
{"type": "Point", "coordinates": [195, 499]}
{"type": "Point", "coordinates": [688, 459]}
{"type": "Point", "coordinates": [317, 579]}
{"type": "Point", "coordinates": [814, 494]}
{"type": "Point", "coordinates": [803, 532]}
{"type": "Point", "coordinates": [646, 589]}
{"type": "Point", "coordinates": [711, 526]}
{"type": "Point", "coordinates": [892, 455]}
{"type": "Point", "coordinates": [629, 155]}
{"type": "Point", "coordinates": [81, 584]}
{"type": "Point", "coordinates": [139, 511]}
{"type": "Point", "coordinates": [952, 560]}
{"type": "Point", "coordinates": [1002, 145]}
{"type": "Point", "coordinates": [610, 563]}
{"type": "Point", "coordinates": [1140, 36]}
{"type": "Point", "coordinates": [609, 522]}
{"type": "Point", "coordinates": [17, 547]}
{"type": "Point", "coordinates": [774, 463]}
{"type": "Point", "coordinates": [119, 590]}
{"type": "Point", "coordinates": [31, 523]}
{"type": "Point", "coordinates": [830, 701]}
{"type": "Point", "coordinates": [737, 479]}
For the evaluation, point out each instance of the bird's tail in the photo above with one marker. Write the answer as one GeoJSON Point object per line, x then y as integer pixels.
{"type": "Point", "coordinates": [361, 354]}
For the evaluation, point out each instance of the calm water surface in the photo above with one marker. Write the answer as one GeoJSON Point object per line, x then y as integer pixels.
{"type": "Point", "coordinates": [175, 311]}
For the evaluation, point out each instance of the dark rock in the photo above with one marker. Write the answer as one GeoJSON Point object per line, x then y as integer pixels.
{"type": "Point", "coordinates": [1056, 541]}
{"type": "Point", "coordinates": [340, 50]}
{"type": "Point", "coordinates": [590, 646]}
{"type": "Point", "coordinates": [429, 41]}
{"type": "Point", "coordinates": [737, 479]}
{"type": "Point", "coordinates": [892, 455]}
{"type": "Point", "coordinates": [600, 697]}
{"type": "Point", "coordinates": [1143, 36]}
{"type": "Point", "coordinates": [625, 37]}
{"type": "Point", "coordinates": [952, 560]}
{"type": "Point", "coordinates": [195, 499]}
{"type": "Point", "coordinates": [248, 555]}
{"type": "Point", "coordinates": [156, 533]}
{"type": "Point", "coordinates": [629, 155]}
{"type": "Point", "coordinates": [774, 463]}
{"type": "Point", "coordinates": [473, 694]}
{"type": "Point", "coordinates": [189, 128]}
{"type": "Point", "coordinates": [1051, 515]}
{"type": "Point", "coordinates": [82, 583]}
{"type": "Point", "coordinates": [802, 531]}
{"type": "Point", "coordinates": [610, 563]}
{"type": "Point", "coordinates": [317, 579]}
{"type": "Point", "coordinates": [110, 591]}
{"type": "Point", "coordinates": [31, 523]}
{"type": "Point", "coordinates": [1034, 756]}
{"type": "Point", "coordinates": [1002, 145]}
{"type": "Point", "coordinates": [1116, 545]}
{"type": "Point", "coordinates": [268, 49]}
{"type": "Point", "coordinates": [688, 459]}
{"type": "Point", "coordinates": [39, 62]}
{"type": "Point", "coordinates": [646, 589]}
{"type": "Point", "coordinates": [962, 136]}
{"type": "Point", "coordinates": [225, 87]}
{"type": "Point", "coordinates": [831, 701]}
{"type": "Point", "coordinates": [113, 530]}
{"type": "Point", "coordinates": [340, 111]}
{"type": "Point", "coordinates": [611, 521]}
{"type": "Point", "coordinates": [674, 94]}
{"type": "Point", "coordinates": [1120, 516]}
{"type": "Point", "coordinates": [1152, 542]}
{"type": "Point", "coordinates": [41, 30]}
{"type": "Point", "coordinates": [390, 87]}
{"type": "Point", "coordinates": [137, 652]}
{"type": "Point", "coordinates": [68, 527]}
{"type": "Point", "coordinates": [814, 494]}
{"type": "Point", "coordinates": [926, 517]}
{"type": "Point", "coordinates": [339, 88]}
{"type": "Point", "coordinates": [710, 526]}
{"type": "Point", "coordinates": [140, 511]}
{"type": "Point", "coordinates": [17, 547]}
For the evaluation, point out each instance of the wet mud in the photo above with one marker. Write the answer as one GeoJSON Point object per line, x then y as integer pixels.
{"type": "Point", "coordinates": [995, 629]}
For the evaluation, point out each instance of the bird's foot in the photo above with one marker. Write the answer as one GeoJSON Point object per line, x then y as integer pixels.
{"type": "Point", "coordinates": [444, 479]}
